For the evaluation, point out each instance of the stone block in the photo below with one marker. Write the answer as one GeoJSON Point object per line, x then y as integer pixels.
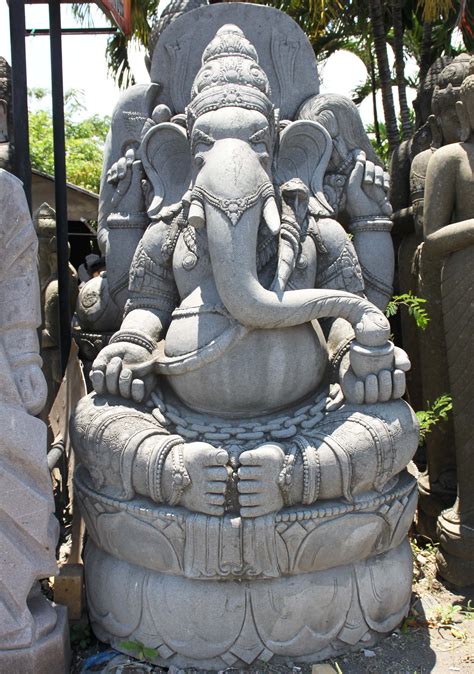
{"type": "Point", "coordinates": [68, 589]}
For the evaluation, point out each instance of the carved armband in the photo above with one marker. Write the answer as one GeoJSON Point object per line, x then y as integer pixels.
{"type": "Point", "coordinates": [181, 478]}
{"type": "Point", "coordinates": [370, 223]}
{"type": "Point", "coordinates": [155, 472]}
{"type": "Point", "coordinates": [311, 472]}
{"type": "Point", "coordinates": [134, 337]}
{"type": "Point", "coordinates": [285, 479]}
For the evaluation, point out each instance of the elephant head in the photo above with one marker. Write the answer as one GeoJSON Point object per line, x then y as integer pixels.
{"type": "Point", "coordinates": [233, 158]}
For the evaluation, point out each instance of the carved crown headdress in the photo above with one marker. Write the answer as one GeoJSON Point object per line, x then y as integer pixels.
{"type": "Point", "coordinates": [230, 75]}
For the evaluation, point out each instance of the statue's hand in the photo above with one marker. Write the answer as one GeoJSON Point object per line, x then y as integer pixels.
{"type": "Point", "coordinates": [367, 189]}
{"type": "Point", "coordinates": [113, 371]}
{"type": "Point", "coordinates": [206, 467]}
{"type": "Point", "coordinates": [375, 387]}
{"type": "Point", "coordinates": [126, 175]}
{"type": "Point", "coordinates": [258, 485]}
{"type": "Point", "coordinates": [31, 386]}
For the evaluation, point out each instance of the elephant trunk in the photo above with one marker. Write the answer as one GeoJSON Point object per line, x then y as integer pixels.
{"type": "Point", "coordinates": [232, 250]}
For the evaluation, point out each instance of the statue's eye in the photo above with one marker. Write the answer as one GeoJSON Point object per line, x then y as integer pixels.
{"type": "Point", "coordinates": [201, 137]}
{"type": "Point", "coordinates": [260, 136]}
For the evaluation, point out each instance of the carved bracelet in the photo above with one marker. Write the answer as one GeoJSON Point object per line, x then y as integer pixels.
{"type": "Point", "coordinates": [311, 470]}
{"type": "Point", "coordinates": [181, 479]}
{"type": "Point", "coordinates": [157, 472]}
{"type": "Point", "coordinates": [285, 479]}
{"type": "Point", "coordinates": [133, 337]}
{"type": "Point", "coordinates": [370, 223]}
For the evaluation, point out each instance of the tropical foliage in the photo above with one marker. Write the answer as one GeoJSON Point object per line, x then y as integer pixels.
{"type": "Point", "coordinates": [84, 140]}
{"type": "Point", "coordinates": [421, 29]}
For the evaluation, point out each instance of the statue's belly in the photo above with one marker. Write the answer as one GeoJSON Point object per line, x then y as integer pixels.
{"type": "Point", "coordinates": [262, 371]}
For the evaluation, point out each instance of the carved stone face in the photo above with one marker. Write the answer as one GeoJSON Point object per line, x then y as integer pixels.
{"type": "Point", "coordinates": [228, 132]}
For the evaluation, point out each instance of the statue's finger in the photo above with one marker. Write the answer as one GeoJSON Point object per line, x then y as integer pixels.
{"type": "Point", "coordinates": [385, 385]}
{"type": "Point", "coordinates": [112, 374]}
{"type": "Point", "coordinates": [249, 500]}
{"type": "Point", "coordinates": [249, 473]}
{"type": "Point", "coordinates": [125, 383]}
{"type": "Point", "coordinates": [216, 487]}
{"type": "Point", "coordinates": [369, 173]}
{"type": "Point", "coordinates": [215, 510]}
{"type": "Point", "coordinates": [357, 173]}
{"type": "Point", "coordinates": [112, 174]}
{"type": "Point", "coordinates": [248, 512]}
{"type": "Point", "coordinates": [248, 486]}
{"type": "Point", "coordinates": [378, 176]}
{"type": "Point", "coordinates": [402, 362]}
{"type": "Point", "coordinates": [250, 458]}
{"type": "Point", "coordinates": [98, 381]}
{"type": "Point", "coordinates": [138, 390]}
{"type": "Point", "coordinates": [215, 499]}
{"type": "Point", "coordinates": [121, 168]}
{"type": "Point", "coordinates": [371, 389]}
{"type": "Point", "coordinates": [399, 384]}
{"type": "Point", "coordinates": [221, 457]}
{"type": "Point", "coordinates": [386, 181]}
{"type": "Point", "coordinates": [218, 474]}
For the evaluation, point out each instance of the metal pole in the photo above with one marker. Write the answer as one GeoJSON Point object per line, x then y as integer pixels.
{"type": "Point", "coordinates": [60, 179]}
{"type": "Point", "coordinates": [21, 160]}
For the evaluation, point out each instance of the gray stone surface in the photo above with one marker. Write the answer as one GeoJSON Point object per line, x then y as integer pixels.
{"type": "Point", "coordinates": [448, 252]}
{"type": "Point", "coordinates": [438, 484]}
{"type": "Point", "coordinates": [6, 121]}
{"type": "Point", "coordinates": [31, 630]}
{"type": "Point", "coordinates": [214, 448]}
{"type": "Point", "coordinates": [283, 52]}
{"type": "Point", "coordinates": [44, 220]}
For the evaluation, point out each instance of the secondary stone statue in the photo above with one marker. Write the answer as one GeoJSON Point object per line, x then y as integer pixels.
{"type": "Point", "coordinates": [448, 252]}
{"type": "Point", "coordinates": [32, 630]}
{"type": "Point", "coordinates": [437, 486]}
{"type": "Point", "coordinates": [212, 451]}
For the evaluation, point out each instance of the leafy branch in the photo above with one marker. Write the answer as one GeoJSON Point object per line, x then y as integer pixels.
{"type": "Point", "coordinates": [139, 650]}
{"type": "Point", "coordinates": [414, 305]}
{"type": "Point", "coordinates": [438, 411]}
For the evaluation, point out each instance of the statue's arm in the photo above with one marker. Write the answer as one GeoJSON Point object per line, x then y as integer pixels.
{"type": "Point", "coordinates": [20, 313]}
{"type": "Point", "coordinates": [440, 189]}
{"type": "Point", "coordinates": [126, 365]}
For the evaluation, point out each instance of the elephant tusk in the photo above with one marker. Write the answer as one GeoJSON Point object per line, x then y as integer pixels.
{"type": "Point", "coordinates": [196, 217]}
{"type": "Point", "coordinates": [272, 216]}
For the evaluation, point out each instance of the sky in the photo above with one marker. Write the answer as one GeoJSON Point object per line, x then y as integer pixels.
{"type": "Point", "coordinates": [84, 65]}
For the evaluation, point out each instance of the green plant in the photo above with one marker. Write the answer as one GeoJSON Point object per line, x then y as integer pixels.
{"type": "Point", "coordinates": [438, 411]}
{"type": "Point", "coordinates": [414, 305]}
{"type": "Point", "coordinates": [139, 650]}
{"type": "Point", "coordinates": [84, 140]}
{"type": "Point", "coordinates": [81, 635]}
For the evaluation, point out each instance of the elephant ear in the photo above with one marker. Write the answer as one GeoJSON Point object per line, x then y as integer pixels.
{"type": "Point", "coordinates": [166, 158]}
{"type": "Point", "coordinates": [304, 153]}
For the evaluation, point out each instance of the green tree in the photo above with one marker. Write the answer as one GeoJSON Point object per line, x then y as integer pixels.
{"type": "Point", "coordinates": [84, 141]}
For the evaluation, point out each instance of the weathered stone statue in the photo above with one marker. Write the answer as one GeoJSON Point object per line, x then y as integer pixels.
{"type": "Point", "coordinates": [6, 123]}
{"type": "Point", "coordinates": [448, 251]}
{"type": "Point", "coordinates": [45, 225]}
{"type": "Point", "coordinates": [340, 117]}
{"type": "Point", "coordinates": [238, 507]}
{"type": "Point", "coordinates": [32, 630]}
{"type": "Point", "coordinates": [438, 484]}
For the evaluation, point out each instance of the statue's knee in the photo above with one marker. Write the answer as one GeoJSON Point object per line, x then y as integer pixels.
{"type": "Point", "coordinates": [404, 428]}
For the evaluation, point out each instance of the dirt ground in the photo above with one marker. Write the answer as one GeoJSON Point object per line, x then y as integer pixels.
{"type": "Point", "coordinates": [437, 636]}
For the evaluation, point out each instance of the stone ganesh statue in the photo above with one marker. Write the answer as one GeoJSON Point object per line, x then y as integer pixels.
{"type": "Point", "coordinates": [211, 452]}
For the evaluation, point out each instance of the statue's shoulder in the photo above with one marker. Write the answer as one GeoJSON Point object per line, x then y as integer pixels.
{"type": "Point", "coordinates": [8, 179]}
{"type": "Point", "coordinates": [446, 158]}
